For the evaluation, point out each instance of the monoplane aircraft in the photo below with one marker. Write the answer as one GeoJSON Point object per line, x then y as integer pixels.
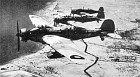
{"type": "Point", "coordinates": [89, 11]}
{"type": "Point", "coordinates": [42, 34]}
{"type": "Point", "coordinates": [82, 19]}
{"type": "Point", "coordinates": [61, 39]}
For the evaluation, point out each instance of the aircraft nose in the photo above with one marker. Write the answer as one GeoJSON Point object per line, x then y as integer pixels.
{"type": "Point", "coordinates": [18, 34]}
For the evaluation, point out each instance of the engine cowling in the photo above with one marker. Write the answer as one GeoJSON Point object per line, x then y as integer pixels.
{"type": "Point", "coordinates": [22, 30]}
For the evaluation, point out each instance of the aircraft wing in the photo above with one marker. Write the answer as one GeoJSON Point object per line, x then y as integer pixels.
{"type": "Point", "coordinates": [67, 48]}
{"type": "Point", "coordinates": [39, 21]}
{"type": "Point", "coordinates": [44, 20]}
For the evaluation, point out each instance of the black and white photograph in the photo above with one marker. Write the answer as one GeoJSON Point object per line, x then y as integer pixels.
{"type": "Point", "coordinates": [69, 38]}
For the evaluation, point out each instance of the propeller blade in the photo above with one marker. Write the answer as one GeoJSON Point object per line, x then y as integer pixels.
{"type": "Point", "coordinates": [18, 40]}
{"type": "Point", "coordinates": [18, 43]}
{"type": "Point", "coordinates": [17, 27]}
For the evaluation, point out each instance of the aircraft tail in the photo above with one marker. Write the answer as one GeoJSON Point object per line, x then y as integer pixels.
{"type": "Point", "coordinates": [107, 29]}
{"type": "Point", "coordinates": [101, 9]}
{"type": "Point", "coordinates": [108, 26]}
{"type": "Point", "coordinates": [101, 13]}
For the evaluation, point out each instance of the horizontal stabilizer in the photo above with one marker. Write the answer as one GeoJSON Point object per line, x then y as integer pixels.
{"type": "Point", "coordinates": [113, 35]}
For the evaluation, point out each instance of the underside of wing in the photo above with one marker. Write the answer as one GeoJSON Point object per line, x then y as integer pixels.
{"type": "Point", "coordinates": [39, 21]}
{"type": "Point", "coordinates": [67, 48]}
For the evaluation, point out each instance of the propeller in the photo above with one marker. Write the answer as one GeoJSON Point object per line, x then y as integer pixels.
{"type": "Point", "coordinates": [18, 40]}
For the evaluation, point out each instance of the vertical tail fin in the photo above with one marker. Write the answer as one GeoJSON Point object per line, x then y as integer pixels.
{"type": "Point", "coordinates": [101, 13]}
{"type": "Point", "coordinates": [101, 9]}
{"type": "Point", "coordinates": [108, 26]}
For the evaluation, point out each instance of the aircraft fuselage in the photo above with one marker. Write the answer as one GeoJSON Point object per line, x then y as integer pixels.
{"type": "Point", "coordinates": [78, 11]}
{"type": "Point", "coordinates": [82, 19]}
{"type": "Point", "coordinates": [73, 34]}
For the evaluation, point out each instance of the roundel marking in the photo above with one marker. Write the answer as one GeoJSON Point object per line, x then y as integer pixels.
{"type": "Point", "coordinates": [76, 57]}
